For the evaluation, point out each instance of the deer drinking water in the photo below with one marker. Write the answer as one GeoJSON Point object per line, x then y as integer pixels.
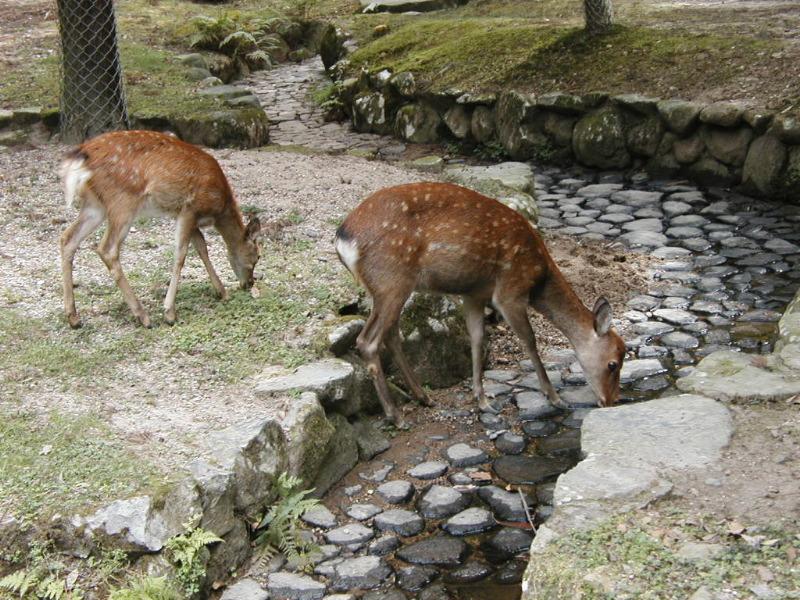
{"type": "Point", "coordinates": [443, 238]}
{"type": "Point", "coordinates": [122, 175]}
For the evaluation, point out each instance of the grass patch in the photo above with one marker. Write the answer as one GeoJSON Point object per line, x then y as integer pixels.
{"type": "Point", "coordinates": [640, 560]}
{"type": "Point", "coordinates": [63, 464]}
{"type": "Point", "coordinates": [487, 54]}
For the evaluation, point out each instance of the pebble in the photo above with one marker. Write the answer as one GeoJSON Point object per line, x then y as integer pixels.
{"type": "Point", "coordinates": [470, 572]}
{"type": "Point", "coordinates": [537, 429]}
{"type": "Point", "coordinates": [507, 506]}
{"type": "Point", "coordinates": [463, 455]}
{"type": "Point", "coordinates": [469, 522]}
{"type": "Point", "coordinates": [350, 534]}
{"type": "Point", "coordinates": [295, 587]}
{"type": "Point", "coordinates": [428, 470]}
{"type": "Point", "coordinates": [402, 522]}
{"type": "Point", "coordinates": [508, 542]}
{"type": "Point", "coordinates": [363, 572]}
{"type": "Point", "coordinates": [414, 578]}
{"type": "Point", "coordinates": [396, 492]}
{"type": "Point", "coordinates": [319, 516]}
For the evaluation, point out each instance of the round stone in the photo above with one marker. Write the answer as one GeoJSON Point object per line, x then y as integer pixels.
{"type": "Point", "coordinates": [537, 429]}
{"type": "Point", "coordinates": [319, 516]}
{"type": "Point", "coordinates": [440, 502]}
{"type": "Point", "coordinates": [402, 522]}
{"type": "Point", "coordinates": [438, 550]}
{"type": "Point", "coordinates": [428, 470]}
{"type": "Point", "coordinates": [507, 506]}
{"type": "Point", "coordinates": [469, 522]}
{"type": "Point", "coordinates": [675, 316]}
{"type": "Point", "coordinates": [362, 512]}
{"type": "Point", "coordinates": [652, 328]}
{"type": "Point", "coordinates": [507, 542]}
{"type": "Point", "coordinates": [384, 545]}
{"type": "Point", "coordinates": [510, 443]}
{"type": "Point", "coordinates": [462, 455]}
{"type": "Point", "coordinates": [510, 573]}
{"type": "Point", "coordinates": [363, 572]}
{"type": "Point", "coordinates": [352, 533]}
{"type": "Point", "coordinates": [414, 578]}
{"type": "Point", "coordinates": [678, 339]}
{"type": "Point", "coordinates": [396, 492]}
{"type": "Point", "coordinates": [529, 470]}
{"type": "Point", "coordinates": [470, 572]}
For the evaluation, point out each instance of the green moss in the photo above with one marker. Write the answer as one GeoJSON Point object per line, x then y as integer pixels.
{"type": "Point", "coordinates": [63, 464]}
{"type": "Point", "coordinates": [631, 557]}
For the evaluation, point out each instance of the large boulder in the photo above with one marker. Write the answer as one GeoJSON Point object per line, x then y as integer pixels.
{"type": "Point", "coordinates": [246, 127]}
{"type": "Point", "coordinates": [598, 140]}
{"type": "Point", "coordinates": [482, 126]}
{"type": "Point", "coordinates": [728, 145]}
{"type": "Point", "coordinates": [644, 137]}
{"type": "Point", "coordinates": [681, 116]}
{"type": "Point", "coordinates": [458, 121]}
{"type": "Point", "coordinates": [763, 165]}
{"type": "Point", "coordinates": [512, 114]}
{"type": "Point", "coordinates": [512, 183]}
{"type": "Point", "coordinates": [418, 123]}
{"type": "Point", "coordinates": [308, 434]}
{"type": "Point", "coordinates": [370, 113]}
{"type": "Point", "coordinates": [341, 457]}
{"type": "Point", "coordinates": [331, 46]}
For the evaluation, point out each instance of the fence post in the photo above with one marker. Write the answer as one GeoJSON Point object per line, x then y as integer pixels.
{"type": "Point", "coordinates": [92, 95]}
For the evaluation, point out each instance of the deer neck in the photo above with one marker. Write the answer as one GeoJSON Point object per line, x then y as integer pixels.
{"type": "Point", "coordinates": [559, 304]}
{"type": "Point", "coordinates": [231, 227]}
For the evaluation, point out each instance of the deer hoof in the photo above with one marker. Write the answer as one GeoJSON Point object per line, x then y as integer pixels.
{"type": "Point", "coordinates": [424, 399]}
{"type": "Point", "coordinates": [169, 317]}
{"type": "Point", "coordinates": [74, 321]}
{"type": "Point", "coordinates": [486, 406]}
{"type": "Point", "coordinates": [145, 321]}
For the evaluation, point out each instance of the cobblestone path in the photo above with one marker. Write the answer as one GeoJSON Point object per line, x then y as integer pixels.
{"type": "Point", "coordinates": [285, 94]}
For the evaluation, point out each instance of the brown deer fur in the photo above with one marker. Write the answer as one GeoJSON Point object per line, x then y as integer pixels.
{"type": "Point", "coordinates": [443, 238]}
{"type": "Point", "coordinates": [119, 176]}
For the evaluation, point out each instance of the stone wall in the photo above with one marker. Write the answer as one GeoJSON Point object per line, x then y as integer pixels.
{"type": "Point", "coordinates": [718, 144]}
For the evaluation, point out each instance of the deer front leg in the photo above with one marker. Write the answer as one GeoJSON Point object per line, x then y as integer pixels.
{"type": "Point", "coordinates": [516, 315]}
{"type": "Point", "coordinates": [89, 219]}
{"type": "Point", "coordinates": [109, 251]}
{"type": "Point", "coordinates": [184, 230]}
{"type": "Point", "coordinates": [395, 344]}
{"type": "Point", "coordinates": [199, 243]}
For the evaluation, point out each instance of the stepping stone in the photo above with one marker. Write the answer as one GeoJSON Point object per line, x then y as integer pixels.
{"type": "Point", "coordinates": [350, 534]}
{"type": "Point", "coordinates": [707, 308]}
{"type": "Point", "coordinates": [640, 225]}
{"type": "Point", "coordinates": [414, 578]}
{"type": "Point", "coordinates": [640, 368]}
{"type": "Point", "coordinates": [637, 198]}
{"type": "Point", "coordinates": [643, 303]}
{"type": "Point", "coordinates": [378, 475]}
{"type": "Point", "coordinates": [462, 455]}
{"type": "Point", "coordinates": [688, 221]}
{"type": "Point", "coordinates": [507, 542]}
{"type": "Point", "coordinates": [652, 384]}
{"type": "Point", "coordinates": [364, 572]}
{"type": "Point", "coordinates": [471, 572]}
{"type": "Point", "coordinates": [675, 316]}
{"type": "Point", "coordinates": [428, 470]}
{"type": "Point", "coordinates": [469, 522]}
{"type": "Point", "coordinates": [673, 208]}
{"type": "Point", "coordinates": [530, 470]}
{"type": "Point", "coordinates": [675, 302]}
{"type": "Point", "coordinates": [295, 587]}
{"type": "Point", "coordinates": [396, 492]}
{"type": "Point", "coordinates": [596, 190]}
{"type": "Point", "coordinates": [386, 544]}
{"type": "Point", "coordinates": [493, 422]}
{"type": "Point", "coordinates": [696, 244]}
{"type": "Point", "coordinates": [760, 316]}
{"type": "Point", "coordinates": [319, 516]}
{"type": "Point", "coordinates": [534, 405]}
{"type": "Point", "coordinates": [245, 589]}
{"type": "Point", "coordinates": [575, 419]}
{"type": "Point", "coordinates": [651, 351]}
{"type": "Point", "coordinates": [564, 442]}
{"type": "Point", "coordinates": [510, 573]}
{"type": "Point", "coordinates": [390, 594]}
{"type": "Point", "coordinates": [537, 429]}
{"type": "Point", "coordinates": [440, 502]}
{"type": "Point", "coordinates": [439, 550]}
{"type": "Point", "coordinates": [496, 390]}
{"type": "Point", "coordinates": [460, 479]}
{"type": "Point", "coordinates": [399, 521]}
{"type": "Point", "coordinates": [507, 506]}
{"type": "Point", "coordinates": [579, 396]}
{"type": "Point", "coordinates": [510, 443]}
{"type": "Point", "coordinates": [683, 232]}
{"type": "Point", "coordinates": [678, 339]}
{"type": "Point", "coordinates": [670, 252]}
{"type": "Point", "coordinates": [501, 375]}
{"type": "Point", "coordinates": [646, 239]}
{"type": "Point", "coordinates": [650, 328]}
{"type": "Point", "coordinates": [362, 512]}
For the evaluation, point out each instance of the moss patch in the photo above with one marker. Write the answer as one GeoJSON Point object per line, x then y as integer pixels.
{"type": "Point", "coordinates": [63, 464]}
{"type": "Point", "coordinates": [637, 557]}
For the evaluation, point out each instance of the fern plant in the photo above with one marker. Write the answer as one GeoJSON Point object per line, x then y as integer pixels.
{"type": "Point", "coordinates": [148, 588]}
{"type": "Point", "coordinates": [209, 31]}
{"type": "Point", "coordinates": [37, 583]}
{"type": "Point", "coordinates": [281, 531]}
{"type": "Point", "coordinates": [188, 552]}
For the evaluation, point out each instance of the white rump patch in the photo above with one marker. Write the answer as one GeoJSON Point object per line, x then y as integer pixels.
{"type": "Point", "coordinates": [74, 176]}
{"type": "Point", "coordinates": [348, 252]}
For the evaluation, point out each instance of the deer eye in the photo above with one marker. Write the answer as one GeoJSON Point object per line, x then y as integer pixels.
{"type": "Point", "coordinates": [612, 366]}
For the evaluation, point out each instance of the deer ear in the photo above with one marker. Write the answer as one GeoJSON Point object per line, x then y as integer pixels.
{"type": "Point", "coordinates": [253, 228]}
{"type": "Point", "coordinates": [602, 316]}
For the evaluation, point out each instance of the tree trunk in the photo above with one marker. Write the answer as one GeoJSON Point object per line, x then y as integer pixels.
{"type": "Point", "coordinates": [92, 96]}
{"type": "Point", "coordinates": [599, 15]}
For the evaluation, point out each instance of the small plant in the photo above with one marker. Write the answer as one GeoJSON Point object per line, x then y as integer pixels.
{"type": "Point", "coordinates": [282, 533]}
{"type": "Point", "coordinates": [148, 588]}
{"type": "Point", "coordinates": [209, 31]}
{"type": "Point", "coordinates": [491, 152]}
{"type": "Point", "coordinates": [41, 578]}
{"type": "Point", "coordinates": [242, 46]}
{"type": "Point", "coordinates": [189, 553]}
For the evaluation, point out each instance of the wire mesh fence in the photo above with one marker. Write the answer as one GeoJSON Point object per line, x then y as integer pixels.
{"type": "Point", "coordinates": [599, 15]}
{"type": "Point", "coordinates": [92, 94]}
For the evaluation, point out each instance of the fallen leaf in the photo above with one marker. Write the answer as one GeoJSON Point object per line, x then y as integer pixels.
{"type": "Point", "coordinates": [736, 528]}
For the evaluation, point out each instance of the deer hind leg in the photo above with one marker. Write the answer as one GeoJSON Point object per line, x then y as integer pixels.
{"type": "Point", "coordinates": [89, 219]}
{"type": "Point", "coordinates": [515, 312]}
{"type": "Point", "coordinates": [184, 230]}
{"type": "Point", "coordinates": [395, 344]}
{"type": "Point", "coordinates": [109, 251]}
{"type": "Point", "coordinates": [473, 314]}
{"type": "Point", "coordinates": [199, 243]}
{"type": "Point", "coordinates": [386, 311]}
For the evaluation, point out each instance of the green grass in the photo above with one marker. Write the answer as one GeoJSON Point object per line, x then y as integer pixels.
{"type": "Point", "coordinates": [63, 465]}
{"type": "Point", "coordinates": [488, 54]}
{"type": "Point", "coordinates": [633, 556]}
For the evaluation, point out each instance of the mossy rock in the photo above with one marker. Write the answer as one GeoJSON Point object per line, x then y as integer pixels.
{"type": "Point", "coordinates": [559, 127]}
{"type": "Point", "coordinates": [458, 121]}
{"type": "Point", "coordinates": [709, 171]}
{"type": "Point", "coordinates": [482, 126]}
{"type": "Point", "coordinates": [598, 140]}
{"type": "Point", "coordinates": [418, 123]}
{"type": "Point", "coordinates": [238, 128]}
{"type": "Point", "coordinates": [727, 145]}
{"type": "Point", "coordinates": [341, 457]}
{"type": "Point", "coordinates": [370, 113]}
{"type": "Point", "coordinates": [514, 109]}
{"type": "Point", "coordinates": [308, 433]}
{"type": "Point", "coordinates": [644, 138]}
{"type": "Point", "coordinates": [222, 66]}
{"type": "Point", "coordinates": [681, 116]}
{"type": "Point", "coordinates": [331, 46]}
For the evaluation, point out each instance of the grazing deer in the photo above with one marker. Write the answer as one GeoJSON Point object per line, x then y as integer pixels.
{"type": "Point", "coordinates": [443, 238]}
{"type": "Point", "coordinates": [122, 175]}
